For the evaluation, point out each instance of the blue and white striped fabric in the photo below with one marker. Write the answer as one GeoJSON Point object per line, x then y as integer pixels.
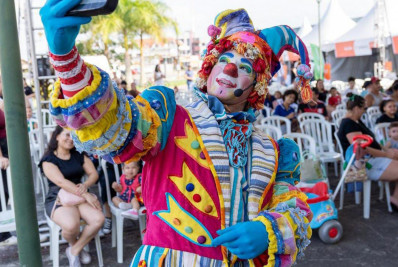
{"type": "Point", "coordinates": [242, 188]}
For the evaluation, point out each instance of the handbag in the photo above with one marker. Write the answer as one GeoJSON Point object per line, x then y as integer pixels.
{"type": "Point", "coordinates": [69, 199]}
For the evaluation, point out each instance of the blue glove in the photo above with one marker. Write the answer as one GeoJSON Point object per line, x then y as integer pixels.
{"type": "Point", "coordinates": [61, 31]}
{"type": "Point", "coordinates": [246, 240]}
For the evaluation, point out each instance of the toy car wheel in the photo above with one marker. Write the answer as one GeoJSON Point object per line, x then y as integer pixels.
{"type": "Point", "coordinates": [331, 232]}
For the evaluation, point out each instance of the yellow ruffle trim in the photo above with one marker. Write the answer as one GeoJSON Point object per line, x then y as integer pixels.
{"type": "Point", "coordinates": [152, 136]}
{"type": "Point", "coordinates": [95, 131]}
{"type": "Point", "coordinates": [286, 197]}
{"type": "Point", "coordinates": [81, 95]}
{"type": "Point", "coordinates": [272, 246]}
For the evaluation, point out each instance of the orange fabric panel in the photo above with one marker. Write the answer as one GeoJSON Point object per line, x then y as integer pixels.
{"type": "Point", "coordinates": [345, 49]}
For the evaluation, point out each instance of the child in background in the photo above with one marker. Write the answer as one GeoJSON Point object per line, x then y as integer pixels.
{"type": "Point", "coordinates": [393, 133]}
{"type": "Point", "coordinates": [128, 181]}
{"type": "Point", "coordinates": [389, 110]}
{"type": "Point", "coordinates": [334, 98]}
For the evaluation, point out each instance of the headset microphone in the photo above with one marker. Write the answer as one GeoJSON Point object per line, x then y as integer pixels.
{"type": "Point", "coordinates": [239, 92]}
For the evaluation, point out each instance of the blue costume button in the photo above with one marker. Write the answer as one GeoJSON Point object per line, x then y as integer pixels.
{"type": "Point", "coordinates": [155, 104]}
{"type": "Point", "coordinates": [195, 144]}
{"type": "Point", "coordinates": [190, 187]}
{"type": "Point", "coordinates": [188, 230]}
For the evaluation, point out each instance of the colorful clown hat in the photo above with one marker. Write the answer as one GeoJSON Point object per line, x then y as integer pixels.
{"type": "Point", "coordinates": [234, 30]}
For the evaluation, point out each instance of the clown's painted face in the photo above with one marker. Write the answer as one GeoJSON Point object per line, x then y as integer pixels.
{"type": "Point", "coordinates": [231, 79]}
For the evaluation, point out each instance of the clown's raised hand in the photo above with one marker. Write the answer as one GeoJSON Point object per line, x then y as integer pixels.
{"type": "Point", "coordinates": [246, 240]}
{"type": "Point", "coordinates": [61, 30]}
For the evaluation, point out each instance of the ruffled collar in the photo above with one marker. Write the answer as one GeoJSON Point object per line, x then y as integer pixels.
{"type": "Point", "coordinates": [218, 109]}
{"type": "Point", "coordinates": [236, 129]}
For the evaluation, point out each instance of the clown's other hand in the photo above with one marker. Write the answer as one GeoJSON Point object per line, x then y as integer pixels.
{"type": "Point", "coordinates": [246, 240]}
{"type": "Point", "coordinates": [61, 30]}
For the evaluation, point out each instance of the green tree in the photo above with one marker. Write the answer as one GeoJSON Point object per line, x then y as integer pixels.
{"type": "Point", "coordinates": [132, 18]}
{"type": "Point", "coordinates": [149, 18]}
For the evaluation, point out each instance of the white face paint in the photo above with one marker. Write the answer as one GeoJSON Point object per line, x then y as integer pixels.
{"type": "Point", "coordinates": [231, 73]}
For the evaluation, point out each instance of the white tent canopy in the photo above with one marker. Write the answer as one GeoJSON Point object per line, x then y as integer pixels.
{"type": "Point", "coordinates": [357, 41]}
{"type": "Point", "coordinates": [334, 24]}
{"type": "Point", "coordinates": [305, 29]}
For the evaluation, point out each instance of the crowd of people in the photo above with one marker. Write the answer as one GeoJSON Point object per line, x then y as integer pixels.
{"type": "Point", "coordinates": [324, 102]}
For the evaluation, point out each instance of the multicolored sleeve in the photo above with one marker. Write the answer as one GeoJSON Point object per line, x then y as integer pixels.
{"type": "Point", "coordinates": [107, 123]}
{"type": "Point", "coordinates": [286, 219]}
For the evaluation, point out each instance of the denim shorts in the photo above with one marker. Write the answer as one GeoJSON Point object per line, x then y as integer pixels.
{"type": "Point", "coordinates": [379, 165]}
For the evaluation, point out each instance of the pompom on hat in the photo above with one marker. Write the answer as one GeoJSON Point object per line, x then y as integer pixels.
{"type": "Point", "coordinates": [234, 30]}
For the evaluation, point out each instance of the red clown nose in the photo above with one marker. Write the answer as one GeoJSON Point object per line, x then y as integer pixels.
{"type": "Point", "coordinates": [231, 70]}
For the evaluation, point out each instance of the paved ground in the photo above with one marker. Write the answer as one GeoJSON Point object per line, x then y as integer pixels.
{"type": "Point", "coordinates": [372, 242]}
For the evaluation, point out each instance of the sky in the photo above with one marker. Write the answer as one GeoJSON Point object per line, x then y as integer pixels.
{"type": "Point", "coordinates": [197, 15]}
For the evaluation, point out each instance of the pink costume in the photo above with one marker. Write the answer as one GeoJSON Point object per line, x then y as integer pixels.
{"type": "Point", "coordinates": [205, 169]}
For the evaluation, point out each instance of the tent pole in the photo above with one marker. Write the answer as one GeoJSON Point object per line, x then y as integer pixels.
{"type": "Point", "coordinates": [319, 38]}
{"type": "Point", "coordinates": [18, 143]}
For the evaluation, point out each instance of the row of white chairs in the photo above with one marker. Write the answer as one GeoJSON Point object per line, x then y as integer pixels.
{"type": "Point", "coordinates": [312, 124]}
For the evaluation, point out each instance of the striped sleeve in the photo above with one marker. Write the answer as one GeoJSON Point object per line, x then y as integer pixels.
{"type": "Point", "coordinates": [103, 120]}
{"type": "Point", "coordinates": [286, 219]}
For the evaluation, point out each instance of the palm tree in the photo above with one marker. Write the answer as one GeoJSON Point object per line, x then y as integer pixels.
{"type": "Point", "coordinates": [149, 18]}
{"type": "Point", "coordinates": [132, 18]}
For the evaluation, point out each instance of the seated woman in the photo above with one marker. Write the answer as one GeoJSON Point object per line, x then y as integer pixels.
{"type": "Point", "coordinates": [286, 110]}
{"type": "Point", "coordinates": [64, 167]}
{"type": "Point", "coordinates": [384, 163]}
{"type": "Point", "coordinates": [388, 110]}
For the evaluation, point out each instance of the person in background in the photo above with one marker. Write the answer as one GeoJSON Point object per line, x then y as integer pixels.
{"type": "Point", "coordinates": [123, 86]}
{"type": "Point", "coordinates": [127, 200]}
{"type": "Point", "coordinates": [189, 77]}
{"type": "Point", "coordinates": [175, 89]}
{"type": "Point", "coordinates": [374, 96]}
{"type": "Point", "coordinates": [269, 99]}
{"type": "Point", "coordinates": [321, 89]}
{"type": "Point", "coordinates": [384, 162]}
{"type": "Point", "coordinates": [333, 101]}
{"type": "Point", "coordinates": [393, 134]}
{"type": "Point", "coordinates": [388, 110]}
{"type": "Point", "coordinates": [6, 238]}
{"type": "Point", "coordinates": [64, 167]}
{"type": "Point", "coordinates": [393, 92]}
{"type": "Point", "coordinates": [27, 89]}
{"type": "Point", "coordinates": [351, 87]}
{"type": "Point", "coordinates": [314, 106]}
{"type": "Point", "coordinates": [278, 99]}
{"type": "Point", "coordinates": [134, 91]}
{"type": "Point", "coordinates": [366, 87]}
{"type": "Point", "coordinates": [286, 110]}
{"type": "Point", "coordinates": [107, 228]}
{"type": "Point", "coordinates": [158, 76]}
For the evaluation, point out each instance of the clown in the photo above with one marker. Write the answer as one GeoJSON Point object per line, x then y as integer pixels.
{"type": "Point", "coordinates": [209, 181]}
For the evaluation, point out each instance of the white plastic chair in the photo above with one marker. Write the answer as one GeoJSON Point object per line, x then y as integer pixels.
{"type": "Point", "coordinates": [260, 115]}
{"type": "Point", "coordinates": [117, 218]}
{"type": "Point", "coordinates": [34, 141]}
{"type": "Point", "coordinates": [381, 132]}
{"type": "Point", "coordinates": [7, 215]}
{"type": "Point", "coordinates": [321, 131]}
{"type": "Point", "coordinates": [366, 190]}
{"type": "Point", "coordinates": [55, 231]}
{"type": "Point", "coordinates": [365, 120]}
{"type": "Point", "coordinates": [373, 110]}
{"type": "Point", "coordinates": [310, 116]}
{"type": "Point", "coordinates": [341, 106]}
{"type": "Point", "coordinates": [304, 142]}
{"type": "Point", "coordinates": [282, 123]}
{"type": "Point", "coordinates": [337, 116]}
{"type": "Point", "coordinates": [48, 121]}
{"type": "Point", "coordinates": [271, 130]}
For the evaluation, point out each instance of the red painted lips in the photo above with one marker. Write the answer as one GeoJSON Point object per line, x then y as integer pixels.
{"type": "Point", "coordinates": [226, 83]}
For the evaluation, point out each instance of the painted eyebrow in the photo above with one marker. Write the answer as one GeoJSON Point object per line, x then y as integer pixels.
{"type": "Point", "coordinates": [244, 60]}
{"type": "Point", "coordinates": [228, 55]}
